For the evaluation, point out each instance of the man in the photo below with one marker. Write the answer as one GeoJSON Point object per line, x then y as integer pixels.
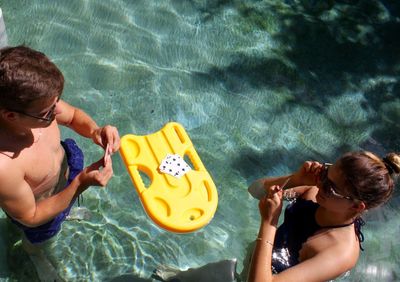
{"type": "Point", "coordinates": [40, 178]}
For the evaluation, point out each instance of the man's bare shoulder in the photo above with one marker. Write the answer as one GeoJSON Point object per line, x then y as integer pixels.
{"type": "Point", "coordinates": [11, 176]}
{"type": "Point", "coordinates": [6, 162]}
{"type": "Point", "coordinates": [16, 197]}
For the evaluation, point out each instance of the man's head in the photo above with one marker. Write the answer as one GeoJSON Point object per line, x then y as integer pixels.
{"type": "Point", "coordinates": [27, 76]}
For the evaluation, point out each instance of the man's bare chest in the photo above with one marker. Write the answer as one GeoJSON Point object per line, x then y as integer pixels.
{"type": "Point", "coordinates": [41, 163]}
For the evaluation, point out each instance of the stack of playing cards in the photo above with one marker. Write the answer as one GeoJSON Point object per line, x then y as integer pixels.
{"type": "Point", "coordinates": [258, 191]}
{"type": "Point", "coordinates": [174, 165]}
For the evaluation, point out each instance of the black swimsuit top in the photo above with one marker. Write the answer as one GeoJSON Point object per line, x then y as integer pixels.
{"type": "Point", "coordinates": [299, 224]}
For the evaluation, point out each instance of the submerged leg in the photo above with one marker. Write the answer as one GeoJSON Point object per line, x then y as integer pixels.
{"type": "Point", "coordinates": [79, 213]}
{"type": "Point", "coordinates": [221, 271]}
{"type": "Point", "coordinates": [43, 266]}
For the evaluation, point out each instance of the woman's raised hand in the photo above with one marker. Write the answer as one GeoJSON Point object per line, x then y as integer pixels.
{"type": "Point", "coordinates": [308, 173]}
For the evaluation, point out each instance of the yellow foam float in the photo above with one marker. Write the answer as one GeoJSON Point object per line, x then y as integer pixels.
{"type": "Point", "coordinates": [182, 204]}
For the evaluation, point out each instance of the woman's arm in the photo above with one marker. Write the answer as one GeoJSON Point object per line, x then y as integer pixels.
{"type": "Point", "coordinates": [299, 182]}
{"type": "Point", "coordinates": [260, 268]}
{"type": "Point", "coordinates": [270, 208]}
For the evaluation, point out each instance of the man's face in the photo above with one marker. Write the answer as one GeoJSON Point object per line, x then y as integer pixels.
{"type": "Point", "coordinates": [41, 112]}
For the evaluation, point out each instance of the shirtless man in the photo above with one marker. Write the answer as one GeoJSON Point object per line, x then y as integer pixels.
{"type": "Point", "coordinates": [40, 178]}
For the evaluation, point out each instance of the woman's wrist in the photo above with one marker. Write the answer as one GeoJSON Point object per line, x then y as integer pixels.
{"type": "Point", "coordinates": [272, 221]}
{"type": "Point", "coordinates": [290, 194]}
{"type": "Point", "coordinates": [265, 241]}
{"type": "Point", "coordinates": [267, 231]}
{"type": "Point", "coordinates": [295, 180]}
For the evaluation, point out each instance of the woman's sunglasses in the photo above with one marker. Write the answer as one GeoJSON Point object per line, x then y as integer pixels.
{"type": "Point", "coordinates": [328, 186]}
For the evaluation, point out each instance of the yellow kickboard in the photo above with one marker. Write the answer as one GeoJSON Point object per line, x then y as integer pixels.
{"type": "Point", "coordinates": [176, 204]}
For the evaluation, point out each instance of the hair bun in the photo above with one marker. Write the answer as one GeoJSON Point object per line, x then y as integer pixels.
{"type": "Point", "coordinates": [392, 163]}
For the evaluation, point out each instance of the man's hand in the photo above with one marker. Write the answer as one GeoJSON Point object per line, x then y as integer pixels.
{"type": "Point", "coordinates": [107, 135]}
{"type": "Point", "coordinates": [96, 174]}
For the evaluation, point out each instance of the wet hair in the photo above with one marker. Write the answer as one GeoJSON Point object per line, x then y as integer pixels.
{"type": "Point", "coordinates": [27, 75]}
{"type": "Point", "coordinates": [372, 179]}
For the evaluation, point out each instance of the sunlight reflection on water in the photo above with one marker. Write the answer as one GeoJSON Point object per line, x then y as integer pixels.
{"type": "Point", "coordinates": [252, 99]}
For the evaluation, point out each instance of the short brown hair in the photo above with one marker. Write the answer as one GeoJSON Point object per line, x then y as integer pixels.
{"type": "Point", "coordinates": [27, 75]}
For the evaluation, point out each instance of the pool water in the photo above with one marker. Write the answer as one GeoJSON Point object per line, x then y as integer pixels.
{"type": "Point", "coordinates": [260, 86]}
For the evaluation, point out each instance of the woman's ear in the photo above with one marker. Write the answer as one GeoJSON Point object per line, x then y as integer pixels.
{"type": "Point", "coordinates": [7, 115]}
{"type": "Point", "coordinates": [359, 206]}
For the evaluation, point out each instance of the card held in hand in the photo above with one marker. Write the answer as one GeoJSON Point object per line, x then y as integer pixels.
{"type": "Point", "coordinates": [174, 165]}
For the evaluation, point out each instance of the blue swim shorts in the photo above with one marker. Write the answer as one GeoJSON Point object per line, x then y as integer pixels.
{"type": "Point", "coordinates": [46, 231]}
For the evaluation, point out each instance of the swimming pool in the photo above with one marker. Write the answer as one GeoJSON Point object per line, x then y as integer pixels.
{"type": "Point", "coordinates": [260, 86]}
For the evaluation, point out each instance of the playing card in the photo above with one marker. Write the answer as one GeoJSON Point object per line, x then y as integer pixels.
{"type": "Point", "coordinates": [257, 190]}
{"type": "Point", "coordinates": [174, 165]}
{"type": "Point", "coordinates": [106, 154]}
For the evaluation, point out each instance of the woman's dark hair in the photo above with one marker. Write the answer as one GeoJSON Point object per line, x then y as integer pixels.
{"type": "Point", "coordinates": [372, 178]}
{"type": "Point", "coordinates": [27, 75]}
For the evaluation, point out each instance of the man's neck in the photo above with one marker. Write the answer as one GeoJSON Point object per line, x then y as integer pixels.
{"type": "Point", "coordinates": [14, 138]}
{"type": "Point", "coordinates": [12, 130]}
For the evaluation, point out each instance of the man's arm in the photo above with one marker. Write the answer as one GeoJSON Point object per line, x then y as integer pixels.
{"type": "Point", "coordinates": [84, 125]}
{"type": "Point", "coordinates": [18, 201]}
{"type": "Point", "coordinates": [76, 119]}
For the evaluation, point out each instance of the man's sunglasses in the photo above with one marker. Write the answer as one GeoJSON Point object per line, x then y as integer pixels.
{"type": "Point", "coordinates": [48, 116]}
{"type": "Point", "coordinates": [328, 186]}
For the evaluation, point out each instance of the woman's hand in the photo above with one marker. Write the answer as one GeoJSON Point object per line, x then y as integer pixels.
{"type": "Point", "coordinates": [308, 173]}
{"type": "Point", "coordinates": [107, 135]}
{"type": "Point", "coordinates": [270, 206]}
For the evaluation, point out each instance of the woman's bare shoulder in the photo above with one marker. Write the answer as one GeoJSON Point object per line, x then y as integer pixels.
{"type": "Point", "coordinates": [339, 243]}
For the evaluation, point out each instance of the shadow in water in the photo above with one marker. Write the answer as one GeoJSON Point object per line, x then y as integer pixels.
{"type": "Point", "coordinates": [326, 49]}
{"type": "Point", "coordinates": [4, 268]}
{"type": "Point", "coordinates": [129, 278]}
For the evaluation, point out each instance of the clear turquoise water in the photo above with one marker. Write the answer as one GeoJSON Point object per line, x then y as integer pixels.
{"type": "Point", "coordinates": [260, 87]}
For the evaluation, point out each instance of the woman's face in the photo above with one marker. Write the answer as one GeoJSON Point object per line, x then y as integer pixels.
{"type": "Point", "coordinates": [333, 191]}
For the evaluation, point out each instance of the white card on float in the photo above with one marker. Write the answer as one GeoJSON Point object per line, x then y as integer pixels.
{"type": "Point", "coordinates": [174, 165]}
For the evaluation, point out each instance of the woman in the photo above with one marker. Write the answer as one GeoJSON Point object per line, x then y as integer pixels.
{"type": "Point", "coordinates": [320, 237]}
